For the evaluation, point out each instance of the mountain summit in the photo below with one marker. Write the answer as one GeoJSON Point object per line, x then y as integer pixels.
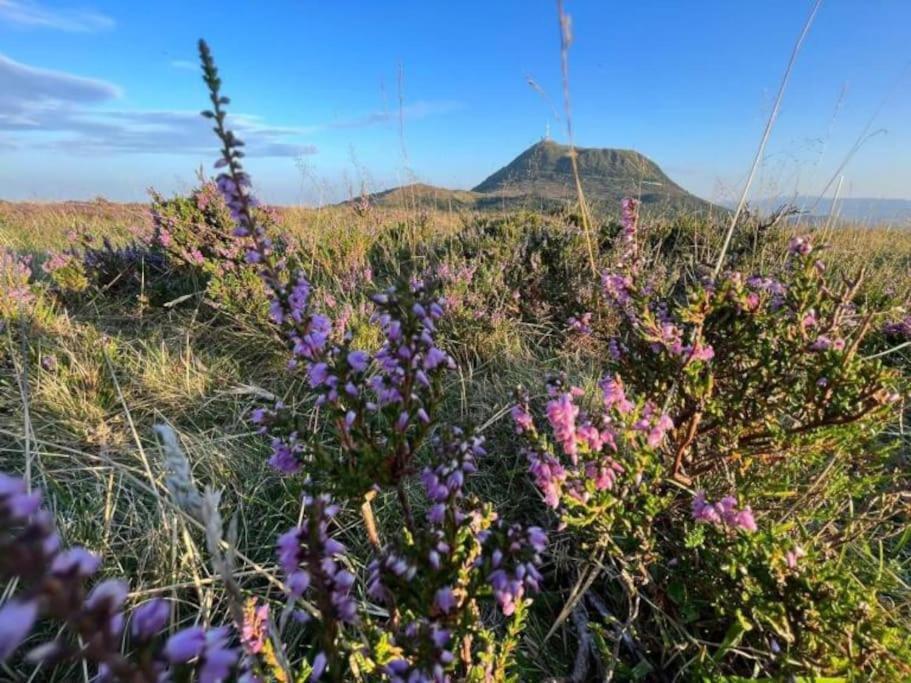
{"type": "Point", "coordinates": [542, 177]}
{"type": "Point", "coordinates": [545, 170]}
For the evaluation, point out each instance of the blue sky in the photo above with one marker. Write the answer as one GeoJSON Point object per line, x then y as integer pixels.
{"type": "Point", "coordinates": [100, 97]}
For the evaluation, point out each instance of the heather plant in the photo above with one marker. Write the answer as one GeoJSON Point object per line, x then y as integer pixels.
{"type": "Point", "coordinates": [15, 283]}
{"type": "Point", "coordinates": [195, 233]}
{"type": "Point", "coordinates": [526, 266]}
{"type": "Point", "coordinates": [52, 585]}
{"type": "Point", "coordinates": [66, 272]}
{"type": "Point", "coordinates": [378, 409]}
{"type": "Point", "coordinates": [133, 269]}
{"type": "Point", "coordinates": [759, 385]}
{"type": "Point", "coordinates": [755, 366]}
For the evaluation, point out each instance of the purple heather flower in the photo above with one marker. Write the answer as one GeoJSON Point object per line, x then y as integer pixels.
{"type": "Point", "coordinates": [284, 457]}
{"type": "Point", "coordinates": [107, 599]}
{"type": "Point", "coordinates": [704, 511]}
{"type": "Point", "coordinates": [150, 618]}
{"type": "Point", "coordinates": [77, 562]}
{"type": "Point", "coordinates": [617, 287]}
{"type": "Point", "coordinates": [582, 324]}
{"type": "Point", "coordinates": [16, 621]}
{"type": "Point", "coordinates": [537, 538]}
{"type": "Point", "coordinates": [358, 360]}
{"type": "Point", "coordinates": [444, 599]}
{"type": "Point", "coordinates": [319, 666]}
{"type": "Point", "coordinates": [630, 216]}
{"type": "Point", "coordinates": [22, 505]}
{"type": "Point", "coordinates": [217, 657]}
{"type": "Point", "coordinates": [822, 343]}
{"type": "Point", "coordinates": [318, 374]}
{"type": "Point", "coordinates": [185, 645]}
{"type": "Point", "coordinates": [435, 358]}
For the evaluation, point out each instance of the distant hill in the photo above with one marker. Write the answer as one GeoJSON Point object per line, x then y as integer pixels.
{"type": "Point", "coordinates": [541, 177]}
{"type": "Point", "coordinates": [426, 196]}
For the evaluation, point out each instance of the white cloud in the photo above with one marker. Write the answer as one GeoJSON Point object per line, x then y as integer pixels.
{"type": "Point", "coordinates": [45, 109]}
{"type": "Point", "coordinates": [31, 14]}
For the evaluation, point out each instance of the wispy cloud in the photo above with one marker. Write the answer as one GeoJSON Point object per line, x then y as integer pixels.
{"type": "Point", "coordinates": [411, 112]}
{"type": "Point", "coordinates": [31, 14]}
{"type": "Point", "coordinates": [54, 110]}
{"type": "Point", "coordinates": [44, 109]}
{"type": "Point", "coordinates": [27, 91]}
{"type": "Point", "coordinates": [185, 64]}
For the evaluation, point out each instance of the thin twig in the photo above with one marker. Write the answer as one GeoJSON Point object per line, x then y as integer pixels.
{"type": "Point", "coordinates": [566, 38]}
{"type": "Point", "coordinates": [765, 137]}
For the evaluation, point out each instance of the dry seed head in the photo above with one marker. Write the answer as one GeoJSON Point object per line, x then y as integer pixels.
{"type": "Point", "coordinates": [178, 476]}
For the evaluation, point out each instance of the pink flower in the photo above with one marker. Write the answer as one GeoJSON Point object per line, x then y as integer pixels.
{"type": "Point", "coordinates": [614, 395]}
{"type": "Point", "coordinates": [594, 438]}
{"type": "Point", "coordinates": [657, 433]}
{"type": "Point", "coordinates": [549, 477]}
{"type": "Point", "coordinates": [752, 301]}
{"type": "Point", "coordinates": [604, 473]}
{"type": "Point", "coordinates": [800, 245]}
{"type": "Point", "coordinates": [743, 519]}
{"type": "Point", "coordinates": [701, 352]}
{"type": "Point", "coordinates": [562, 413]}
{"type": "Point", "coordinates": [703, 511]}
{"type": "Point", "coordinates": [793, 556]}
{"type": "Point", "coordinates": [253, 631]}
{"type": "Point", "coordinates": [522, 419]}
{"type": "Point", "coordinates": [723, 512]}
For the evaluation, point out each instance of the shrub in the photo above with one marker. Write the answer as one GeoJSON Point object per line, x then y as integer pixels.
{"type": "Point", "coordinates": [760, 387]}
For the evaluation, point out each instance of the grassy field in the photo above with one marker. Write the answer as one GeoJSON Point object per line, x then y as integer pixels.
{"type": "Point", "coordinates": [84, 377]}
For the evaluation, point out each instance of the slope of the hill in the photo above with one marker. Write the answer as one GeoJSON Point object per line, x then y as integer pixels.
{"type": "Point", "coordinates": [541, 177]}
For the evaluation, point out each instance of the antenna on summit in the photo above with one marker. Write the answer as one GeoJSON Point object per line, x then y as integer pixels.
{"type": "Point", "coordinates": [547, 131]}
